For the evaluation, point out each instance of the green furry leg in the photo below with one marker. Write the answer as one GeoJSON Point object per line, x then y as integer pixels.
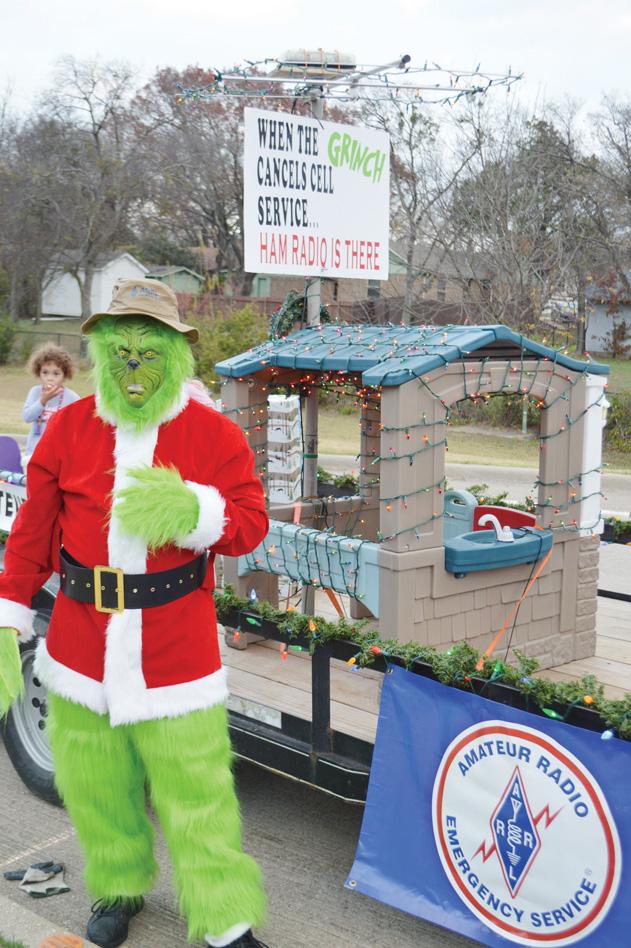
{"type": "Point", "coordinates": [11, 681]}
{"type": "Point", "coordinates": [101, 781]}
{"type": "Point", "coordinates": [188, 763]}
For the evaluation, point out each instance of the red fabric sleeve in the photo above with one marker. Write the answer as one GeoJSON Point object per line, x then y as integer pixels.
{"type": "Point", "coordinates": [246, 517]}
{"type": "Point", "coordinates": [27, 560]}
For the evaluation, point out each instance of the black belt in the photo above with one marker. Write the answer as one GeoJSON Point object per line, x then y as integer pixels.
{"type": "Point", "coordinates": [111, 590]}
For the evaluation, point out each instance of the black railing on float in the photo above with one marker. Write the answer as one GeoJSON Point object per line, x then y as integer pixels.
{"type": "Point", "coordinates": [336, 762]}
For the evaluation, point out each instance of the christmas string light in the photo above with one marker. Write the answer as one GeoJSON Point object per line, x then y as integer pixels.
{"type": "Point", "coordinates": [521, 375]}
{"type": "Point", "coordinates": [276, 79]}
{"type": "Point", "coordinates": [439, 486]}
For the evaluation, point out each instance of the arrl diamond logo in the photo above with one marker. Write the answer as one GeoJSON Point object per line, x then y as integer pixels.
{"type": "Point", "coordinates": [515, 834]}
{"type": "Point", "coordinates": [525, 835]}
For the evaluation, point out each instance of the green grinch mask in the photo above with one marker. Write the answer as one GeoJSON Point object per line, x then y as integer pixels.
{"type": "Point", "coordinates": [139, 368]}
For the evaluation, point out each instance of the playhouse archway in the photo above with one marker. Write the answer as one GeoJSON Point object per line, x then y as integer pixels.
{"type": "Point", "coordinates": [408, 379]}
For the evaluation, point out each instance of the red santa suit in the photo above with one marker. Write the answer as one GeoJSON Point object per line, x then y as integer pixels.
{"type": "Point", "coordinates": [137, 664]}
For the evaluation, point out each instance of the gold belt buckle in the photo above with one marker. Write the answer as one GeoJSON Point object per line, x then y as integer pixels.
{"type": "Point", "coordinates": [120, 589]}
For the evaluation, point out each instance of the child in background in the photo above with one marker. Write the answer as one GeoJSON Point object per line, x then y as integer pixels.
{"type": "Point", "coordinates": [52, 365]}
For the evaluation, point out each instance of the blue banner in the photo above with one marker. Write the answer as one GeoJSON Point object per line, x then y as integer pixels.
{"type": "Point", "coordinates": [502, 825]}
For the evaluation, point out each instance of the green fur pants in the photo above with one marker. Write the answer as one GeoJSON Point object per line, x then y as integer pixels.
{"type": "Point", "coordinates": [186, 761]}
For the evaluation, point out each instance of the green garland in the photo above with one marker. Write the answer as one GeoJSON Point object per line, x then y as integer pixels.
{"type": "Point", "coordinates": [455, 667]}
{"type": "Point", "coordinates": [292, 310]}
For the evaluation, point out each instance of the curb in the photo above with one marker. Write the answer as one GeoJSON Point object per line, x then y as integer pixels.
{"type": "Point", "coordinates": [23, 925]}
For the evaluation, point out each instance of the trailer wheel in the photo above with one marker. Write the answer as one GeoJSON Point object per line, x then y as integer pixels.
{"type": "Point", "coordinates": [24, 731]}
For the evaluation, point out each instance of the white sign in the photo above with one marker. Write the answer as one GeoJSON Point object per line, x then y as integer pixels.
{"type": "Point", "coordinates": [12, 496]}
{"type": "Point", "coordinates": [316, 197]}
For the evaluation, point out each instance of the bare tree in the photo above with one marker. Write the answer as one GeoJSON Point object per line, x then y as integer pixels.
{"type": "Point", "coordinates": [100, 178]}
{"type": "Point", "coordinates": [30, 230]}
{"type": "Point", "coordinates": [520, 215]}
{"type": "Point", "coordinates": [195, 152]}
{"type": "Point", "coordinates": [423, 171]}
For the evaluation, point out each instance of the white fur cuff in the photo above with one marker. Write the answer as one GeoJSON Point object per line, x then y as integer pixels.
{"type": "Point", "coordinates": [228, 937]}
{"type": "Point", "coordinates": [211, 521]}
{"type": "Point", "coordinates": [13, 615]}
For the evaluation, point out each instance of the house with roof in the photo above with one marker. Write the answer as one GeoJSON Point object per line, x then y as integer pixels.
{"type": "Point", "coordinates": [445, 284]}
{"type": "Point", "coordinates": [277, 285]}
{"type": "Point", "coordinates": [62, 296]}
{"type": "Point", "coordinates": [608, 305]}
{"type": "Point", "coordinates": [180, 279]}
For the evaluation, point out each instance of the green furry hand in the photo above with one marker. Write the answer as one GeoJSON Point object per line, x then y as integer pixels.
{"type": "Point", "coordinates": [11, 681]}
{"type": "Point", "coordinates": [159, 507]}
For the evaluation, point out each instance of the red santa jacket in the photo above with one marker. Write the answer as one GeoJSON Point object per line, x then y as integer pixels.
{"type": "Point", "coordinates": [137, 664]}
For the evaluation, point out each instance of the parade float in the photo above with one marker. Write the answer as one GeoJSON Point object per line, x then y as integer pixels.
{"type": "Point", "coordinates": [408, 586]}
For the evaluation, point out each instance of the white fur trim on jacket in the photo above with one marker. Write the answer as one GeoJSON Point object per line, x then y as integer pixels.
{"type": "Point", "coordinates": [127, 696]}
{"type": "Point", "coordinates": [67, 682]}
{"type": "Point", "coordinates": [211, 521]}
{"type": "Point", "coordinates": [124, 694]}
{"type": "Point", "coordinates": [13, 615]}
{"type": "Point", "coordinates": [166, 702]}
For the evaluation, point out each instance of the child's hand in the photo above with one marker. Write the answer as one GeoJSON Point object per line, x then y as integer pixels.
{"type": "Point", "coordinates": [48, 393]}
{"type": "Point", "coordinates": [158, 507]}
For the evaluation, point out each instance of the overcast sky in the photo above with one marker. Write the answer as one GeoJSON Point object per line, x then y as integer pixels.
{"type": "Point", "coordinates": [576, 48]}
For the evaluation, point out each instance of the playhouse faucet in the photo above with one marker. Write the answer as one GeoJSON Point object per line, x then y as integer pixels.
{"type": "Point", "coordinates": [502, 534]}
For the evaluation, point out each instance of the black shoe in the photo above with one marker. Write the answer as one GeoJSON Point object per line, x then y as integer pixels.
{"type": "Point", "coordinates": [247, 941]}
{"type": "Point", "coordinates": [109, 922]}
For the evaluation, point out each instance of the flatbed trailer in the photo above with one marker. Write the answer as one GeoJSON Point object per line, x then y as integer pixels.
{"type": "Point", "coordinates": [307, 717]}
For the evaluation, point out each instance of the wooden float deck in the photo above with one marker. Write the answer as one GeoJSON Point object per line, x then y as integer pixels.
{"type": "Point", "coordinates": [259, 675]}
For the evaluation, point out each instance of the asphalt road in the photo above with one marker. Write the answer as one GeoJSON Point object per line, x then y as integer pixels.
{"type": "Point", "coordinates": [518, 481]}
{"type": "Point", "coordinates": [304, 841]}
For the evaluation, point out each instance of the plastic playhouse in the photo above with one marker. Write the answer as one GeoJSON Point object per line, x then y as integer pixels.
{"type": "Point", "coordinates": [429, 564]}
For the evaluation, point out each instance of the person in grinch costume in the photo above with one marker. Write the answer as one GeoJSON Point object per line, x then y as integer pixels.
{"type": "Point", "coordinates": [131, 494]}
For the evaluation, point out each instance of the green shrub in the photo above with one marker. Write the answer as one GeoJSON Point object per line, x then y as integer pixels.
{"type": "Point", "coordinates": [500, 411]}
{"type": "Point", "coordinates": [482, 495]}
{"type": "Point", "coordinates": [345, 481]}
{"type": "Point", "coordinates": [224, 336]}
{"type": "Point", "coordinates": [619, 423]}
{"type": "Point", "coordinates": [5, 286]}
{"type": "Point", "coordinates": [24, 347]}
{"type": "Point", "coordinates": [7, 337]}
{"type": "Point", "coordinates": [619, 527]}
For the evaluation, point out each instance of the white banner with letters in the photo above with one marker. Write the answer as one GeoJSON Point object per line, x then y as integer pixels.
{"type": "Point", "coordinates": [11, 498]}
{"type": "Point", "coordinates": [316, 197]}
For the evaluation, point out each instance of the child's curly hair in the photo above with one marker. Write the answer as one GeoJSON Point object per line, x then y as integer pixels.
{"type": "Point", "coordinates": [51, 353]}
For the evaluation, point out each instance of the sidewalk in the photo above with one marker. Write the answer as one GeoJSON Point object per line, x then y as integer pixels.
{"type": "Point", "coordinates": [19, 923]}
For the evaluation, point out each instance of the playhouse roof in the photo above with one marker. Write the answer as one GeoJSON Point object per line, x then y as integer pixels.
{"type": "Point", "coordinates": [391, 355]}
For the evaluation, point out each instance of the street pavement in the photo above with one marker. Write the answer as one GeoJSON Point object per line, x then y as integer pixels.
{"type": "Point", "coordinates": [518, 481]}
{"type": "Point", "coordinates": [304, 841]}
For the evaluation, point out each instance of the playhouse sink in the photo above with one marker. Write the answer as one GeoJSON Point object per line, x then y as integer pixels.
{"type": "Point", "coordinates": [480, 549]}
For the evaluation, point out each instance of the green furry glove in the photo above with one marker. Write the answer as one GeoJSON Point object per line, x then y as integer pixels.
{"type": "Point", "coordinates": [11, 681]}
{"type": "Point", "coordinates": [159, 507]}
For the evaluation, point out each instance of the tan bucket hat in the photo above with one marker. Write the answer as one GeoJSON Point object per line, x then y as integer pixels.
{"type": "Point", "coordinates": [149, 298]}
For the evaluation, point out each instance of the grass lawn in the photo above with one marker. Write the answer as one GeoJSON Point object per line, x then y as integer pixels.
{"type": "Point", "coordinates": [64, 332]}
{"type": "Point", "coordinates": [339, 434]}
{"type": "Point", "coordinates": [14, 385]}
{"type": "Point", "coordinates": [620, 377]}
